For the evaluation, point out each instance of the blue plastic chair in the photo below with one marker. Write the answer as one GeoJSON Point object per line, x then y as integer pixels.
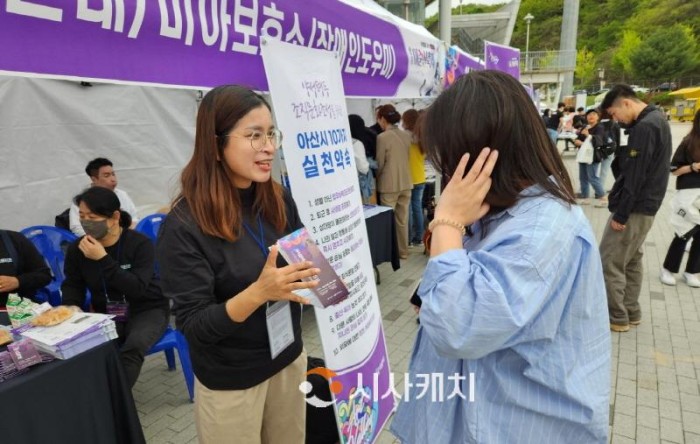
{"type": "Point", "coordinates": [150, 225]}
{"type": "Point", "coordinates": [171, 340]}
{"type": "Point", "coordinates": [52, 243]}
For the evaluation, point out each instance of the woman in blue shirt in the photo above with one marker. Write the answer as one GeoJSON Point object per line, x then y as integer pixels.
{"type": "Point", "coordinates": [514, 317]}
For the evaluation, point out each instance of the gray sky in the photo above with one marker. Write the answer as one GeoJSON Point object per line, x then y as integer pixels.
{"type": "Point", "coordinates": [432, 9]}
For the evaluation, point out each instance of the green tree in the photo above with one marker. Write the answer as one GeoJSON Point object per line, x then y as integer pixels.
{"type": "Point", "coordinates": [668, 52]}
{"type": "Point", "coordinates": [621, 59]}
{"type": "Point", "coordinates": [585, 66]}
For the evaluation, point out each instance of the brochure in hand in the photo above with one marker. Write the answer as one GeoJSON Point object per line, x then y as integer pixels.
{"type": "Point", "coordinates": [299, 247]}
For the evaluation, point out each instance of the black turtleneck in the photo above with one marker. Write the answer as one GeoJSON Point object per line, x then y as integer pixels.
{"type": "Point", "coordinates": [200, 273]}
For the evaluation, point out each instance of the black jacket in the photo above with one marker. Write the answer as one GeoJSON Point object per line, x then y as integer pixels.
{"type": "Point", "coordinates": [200, 273]}
{"type": "Point", "coordinates": [641, 168]}
{"type": "Point", "coordinates": [554, 119]}
{"type": "Point", "coordinates": [683, 157]}
{"type": "Point", "coordinates": [126, 273]}
{"type": "Point", "coordinates": [28, 267]}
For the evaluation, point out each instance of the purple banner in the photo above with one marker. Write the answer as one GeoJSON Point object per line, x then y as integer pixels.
{"type": "Point", "coordinates": [502, 58]}
{"type": "Point", "coordinates": [195, 43]}
{"type": "Point", "coordinates": [458, 63]}
{"type": "Point", "coordinates": [366, 397]}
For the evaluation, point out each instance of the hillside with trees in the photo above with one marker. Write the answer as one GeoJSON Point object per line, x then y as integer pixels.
{"type": "Point", "coordinates": [642, 42]}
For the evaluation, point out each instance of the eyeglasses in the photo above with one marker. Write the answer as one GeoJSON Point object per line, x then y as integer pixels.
{"type": "Point", "coordinates": [258, 140]}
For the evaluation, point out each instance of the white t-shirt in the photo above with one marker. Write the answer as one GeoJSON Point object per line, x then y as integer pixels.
{"type": "Point", "coordinates": [360, 157]}
{"type": "Point", "coordinates": [125, 203]}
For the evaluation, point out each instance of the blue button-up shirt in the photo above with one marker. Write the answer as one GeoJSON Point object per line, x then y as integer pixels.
{"type": "Point", "coordinates": [522, 309]}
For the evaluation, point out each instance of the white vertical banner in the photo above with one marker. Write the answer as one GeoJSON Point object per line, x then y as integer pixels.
{"type": "Point", "coordinates": [309, 102]}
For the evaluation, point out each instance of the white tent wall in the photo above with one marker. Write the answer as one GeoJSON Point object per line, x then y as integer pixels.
{"type": "Point", "coordinates": [51, 129]}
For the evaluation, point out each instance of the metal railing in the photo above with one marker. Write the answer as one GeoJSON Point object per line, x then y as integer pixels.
{"type": "Point", "coordinates": [547, 61]}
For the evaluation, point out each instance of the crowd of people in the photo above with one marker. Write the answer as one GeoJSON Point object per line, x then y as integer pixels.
{"type": "Point", "coordinates": [391, 167]}
{"type": "Point", "coordinates": [516, 290]}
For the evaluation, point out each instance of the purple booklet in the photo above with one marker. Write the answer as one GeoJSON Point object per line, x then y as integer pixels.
{"type": "Point", "coordinates": [299, 247]}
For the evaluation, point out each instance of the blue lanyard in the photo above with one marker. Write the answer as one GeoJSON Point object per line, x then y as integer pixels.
{"type": "Point", "coordinates": [258, 240]}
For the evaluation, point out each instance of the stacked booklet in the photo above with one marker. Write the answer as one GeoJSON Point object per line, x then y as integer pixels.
{"type": "Point", "coordinates": [80, 332]}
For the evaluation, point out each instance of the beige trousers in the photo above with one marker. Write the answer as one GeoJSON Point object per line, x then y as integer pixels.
{"type": "Point", "coordinates": [272, 412]}
{"type": "Point", "coordinates": [399, 202]}
{"type": "Point", "coordinates": [621, 254]}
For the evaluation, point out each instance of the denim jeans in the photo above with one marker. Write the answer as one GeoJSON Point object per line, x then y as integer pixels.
{"type": "Point", "coordinates": [553, 134]}
{"type": "Point", "coordinates": [588, 177]}
{"type": "Point", "coordinates": [416, 221]}
{"type": "Point", "coordinates": [604, 169]}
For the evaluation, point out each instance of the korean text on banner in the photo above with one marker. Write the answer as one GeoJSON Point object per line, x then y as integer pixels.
{"type": "Point", "coordinates": [199, 44]}
{"type": "Point", "coordinates": [307, 94]}
{"type": "Point", "coordinates": [502, 58]}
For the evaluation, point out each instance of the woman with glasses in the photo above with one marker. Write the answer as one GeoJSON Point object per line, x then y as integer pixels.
{"type": "Point", "coordinates": [233, 296]}
{"type": "Point", "coordinates": [117, 265]}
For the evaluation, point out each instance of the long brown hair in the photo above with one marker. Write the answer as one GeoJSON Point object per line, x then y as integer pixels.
{"type": "Point", "coordinates": [206, 181]}
{"type": "Point", "coordinates": [692, 140]}
{"type": "Point", "coordinates": [491, 109]}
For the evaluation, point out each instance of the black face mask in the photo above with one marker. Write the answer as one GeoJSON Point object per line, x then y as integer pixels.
{"type": "Point", "coordinates": [95, 228]}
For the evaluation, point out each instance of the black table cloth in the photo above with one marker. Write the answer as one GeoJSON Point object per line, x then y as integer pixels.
{"type": "Point", "coordinates": [381, 235]}
{"type": "Point", "coordinates": [84, 399]}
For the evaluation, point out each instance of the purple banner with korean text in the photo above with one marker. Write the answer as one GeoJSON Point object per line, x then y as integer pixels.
{"type": "Point", "coordinates": [502, 58]}
{"type": "Point", "coordinates": [197, 44]}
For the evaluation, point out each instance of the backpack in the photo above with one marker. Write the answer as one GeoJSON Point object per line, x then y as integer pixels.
{"type": "Point", "coordinates": [321, 427]}
{"type": "Point", "coordinates": [610, 145]}
{"type": "Point", "coordinates": [63, 220]}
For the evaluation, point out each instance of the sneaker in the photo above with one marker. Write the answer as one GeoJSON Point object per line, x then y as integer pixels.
{"type": "Point", "coordinates": [692, 280]}
{"type": "Point", "coordinates": [601, 203]}
{"type": "Point", "coordinates": [619, 328]}
{"type": "Point", "coordinates": [635, 323]}
{"type": "Point", "coordinates": [667, 278]}
{"type": "Point", "coordinates": [583, 201]}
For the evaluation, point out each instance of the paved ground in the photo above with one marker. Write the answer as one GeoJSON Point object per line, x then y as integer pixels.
{"type": "Point", "coordinates": [656, 366]}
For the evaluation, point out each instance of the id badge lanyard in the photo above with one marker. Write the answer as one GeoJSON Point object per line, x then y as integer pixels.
{"type": "Point", "coordinates": [278, 316]}
{"type": "Point", "coordinates": [118, 309]}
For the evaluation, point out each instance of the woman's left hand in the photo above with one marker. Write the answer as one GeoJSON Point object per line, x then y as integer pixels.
{"type": "Point", "coordinates": [91, 248]}
{"type": "Point", "coordinates": [462, 200]}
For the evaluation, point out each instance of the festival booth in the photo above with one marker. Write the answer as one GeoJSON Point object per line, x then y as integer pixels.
{"type": "Point", "coordinates": [65, 100]}
{"type": "Point", "coordinates": [124, 80]}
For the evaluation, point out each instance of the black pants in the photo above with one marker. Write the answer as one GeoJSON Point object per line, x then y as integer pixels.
{"type": "Point", "coordinates": [136, 336]}
{"type": "Point", "coordinates": [675, 253]}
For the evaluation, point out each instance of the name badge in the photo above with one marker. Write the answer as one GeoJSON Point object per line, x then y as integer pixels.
{"type": "Point", "coordinates": [119, 310]}
{"type": "Point", "coordinates": [5, 260]}
{"type": "Point", "coordinates": [279, 327]}
{"type": "Point", "coordinates": [624, 137]}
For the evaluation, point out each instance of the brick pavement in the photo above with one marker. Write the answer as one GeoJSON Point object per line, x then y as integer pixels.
{"type": "Point", "coordinates": [655, 396]}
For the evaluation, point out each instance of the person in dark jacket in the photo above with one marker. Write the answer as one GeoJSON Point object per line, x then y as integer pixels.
{"type": "Point", "coordinates": [22, 268]}
{"type": "Point", "coordinates": [685, 210]}
{"type": "Point", "coordinates": [588, 172]}
{"type": "Point", "coordinates": [580, 119]}
{"type": "Point", "coordinates": [554, 121]}
{"type": "Point", "coordinates": [220, 266]}
{"type": "Point", "coordinates": [117, 265]}
{"type": "Point", "coordinates": [641, 177]}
